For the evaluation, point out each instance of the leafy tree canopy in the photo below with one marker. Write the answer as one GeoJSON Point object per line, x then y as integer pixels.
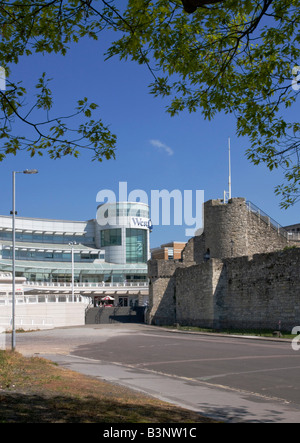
{"type": "Point", "coordinates": [235, 56]}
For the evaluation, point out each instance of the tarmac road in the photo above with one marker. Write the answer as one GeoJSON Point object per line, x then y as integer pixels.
{"type": "Point", "coordinates": [229, 378]}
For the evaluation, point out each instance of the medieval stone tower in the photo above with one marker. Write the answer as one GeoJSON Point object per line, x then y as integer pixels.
{"type": "Point", "coordinates": [235, 229]}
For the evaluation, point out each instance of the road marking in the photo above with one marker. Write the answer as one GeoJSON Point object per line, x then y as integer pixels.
{"type": "Point", "coordinates": [210, 377]}
{"type": "Point", "coordinates": [246, 357]}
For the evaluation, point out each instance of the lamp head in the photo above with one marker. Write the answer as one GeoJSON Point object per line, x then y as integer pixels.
{"type": "Point", "coordinates": [30, 171]}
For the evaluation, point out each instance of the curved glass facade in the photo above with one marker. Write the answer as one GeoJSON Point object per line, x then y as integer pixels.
{"type": "Point", "coordinates": [124, 232]}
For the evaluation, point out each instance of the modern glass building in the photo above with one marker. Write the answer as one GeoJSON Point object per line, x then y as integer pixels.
{"type": "Point", "coordinates": [114, 248]}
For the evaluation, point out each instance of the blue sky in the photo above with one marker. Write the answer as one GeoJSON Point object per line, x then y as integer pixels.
{"type": "Point", "coordinates": [154, 150]}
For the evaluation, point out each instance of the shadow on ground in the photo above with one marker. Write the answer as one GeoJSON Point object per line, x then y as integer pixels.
{"type": "Point", "coordinates": [18, 407]}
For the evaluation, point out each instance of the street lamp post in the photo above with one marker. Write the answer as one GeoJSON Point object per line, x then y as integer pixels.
{"type": "Point", "coordinates": [72, 244]}
{"type": "Point", "coordinates": [29, 172]}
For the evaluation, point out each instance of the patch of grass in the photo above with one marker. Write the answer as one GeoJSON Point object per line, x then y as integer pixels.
{"type": "Point", "coordinates": [254, 332]}
{"type": "Point", "coordinates": [34, 390]}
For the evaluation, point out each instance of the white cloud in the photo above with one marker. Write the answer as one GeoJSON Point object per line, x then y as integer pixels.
{"type": "Point", "coordinates": [162, 146]}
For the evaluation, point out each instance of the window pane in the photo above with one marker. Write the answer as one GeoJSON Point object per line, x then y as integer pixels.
{"type": "Point", "coordinates": [111, 237]}
{"type": "Point", "coordinates": [136, 246]}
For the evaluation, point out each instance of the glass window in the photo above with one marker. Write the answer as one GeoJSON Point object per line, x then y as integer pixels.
{"type": "Point", "coordinates": [107, 278]}
{"type": "Point", "coordinates": [170, 253]}
{"type": "Point", "coordinates": [111, 237]}
{"type": "Point", "coordinates": [136, 246]}
{"type": "Point", "coordinates": [118, 278]}
{"type": "Point", "coordinates": [37, 238]}
{"type": "Point", "coordinates": [77, 256]}
{"type": "Point", "coordinates": [47, 238]}
{"type": "Point", "coordinates": [85, 256]}
{"type": "Point", "coordinates": [27, 237]}
{"type": "Point", "coordinates": [6, 253]}
{"type": "Point", "coordinates": [6, 235]}
{"type": "Point", "coordinates": [66, 256]}
{"type": "Point", "coordinates": [136, 278]}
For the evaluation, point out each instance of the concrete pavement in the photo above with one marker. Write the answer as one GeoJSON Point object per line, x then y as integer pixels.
{"type": "Point", "coordinates": [227, 378]}
{"type": "Point", "coordinates": [218, 402]}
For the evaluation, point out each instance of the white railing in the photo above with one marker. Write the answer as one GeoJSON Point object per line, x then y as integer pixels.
{"type": "Point", "coordinates": [294, 236]}
{"type": "Point", "coordinates": [62, 292]}
{"type": "Point", "coordinates": [32, 322]}
{"type": "Point", "coordinates": [87, 285]}
{"type": "Point", "coordinates": [47, 298]}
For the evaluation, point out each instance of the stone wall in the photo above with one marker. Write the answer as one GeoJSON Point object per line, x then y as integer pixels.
{"type": "Point", "coordinates": [260, 292]}
{"type": "Point", "coordinates": [196, 303]}
{"type": "Point", "coordinates": [162, 304]}
{"type": "Point", "coordinates": [250, 280]}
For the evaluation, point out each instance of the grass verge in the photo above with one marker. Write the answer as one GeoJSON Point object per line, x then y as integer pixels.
{"type": "Point", "coordinates": [254, 332]}
{"type": "Point", "coordinates": [34, 390]}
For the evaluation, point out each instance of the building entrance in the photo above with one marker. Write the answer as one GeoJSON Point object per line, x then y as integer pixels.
{"type": "Point", "coordinates": [123, 301]}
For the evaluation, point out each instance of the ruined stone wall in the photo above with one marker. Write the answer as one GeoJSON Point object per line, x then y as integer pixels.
{"type": "Point", "coordinates": [262, 237]}
{"type": "Point", "coordinates": [194, 251]}
{"type": "Point", "coordinates": [195, 288]}
{"type": "Point", "coordinates": [262, 292]}
{"type": "Point", "coordinates": [246, 283]}
{"type": "Point", "coordinates": [162, 292]}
